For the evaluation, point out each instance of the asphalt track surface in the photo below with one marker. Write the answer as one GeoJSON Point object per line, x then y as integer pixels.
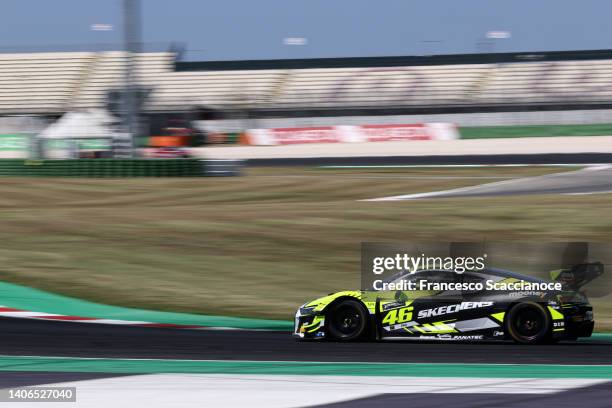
{"type": "Point", "coordinates": [590, 180]}
{"type": "Point", "coordinates": [33, 337]}
{"type": "Point", "coordinates": [539, 158]}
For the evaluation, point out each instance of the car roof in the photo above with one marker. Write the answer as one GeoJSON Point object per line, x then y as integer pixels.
{"type": "Point", "coordinates": [490, 271]}
{"type": "Point", "coordinates": [509, 274]}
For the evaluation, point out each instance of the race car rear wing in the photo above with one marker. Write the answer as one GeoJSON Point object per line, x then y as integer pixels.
{"type": "Point", "coordinates": [578, 275]}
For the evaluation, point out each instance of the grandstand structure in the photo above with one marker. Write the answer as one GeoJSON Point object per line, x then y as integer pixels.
{"type": "Point", "coordinates": [54, 83]}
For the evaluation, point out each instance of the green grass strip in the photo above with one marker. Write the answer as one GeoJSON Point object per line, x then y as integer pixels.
{"type": "Point", "coordinates": [490, 132]}
{"type": "Point", "coordinates": [151, 366]}
{"type": "Point", "coordinates": [22, 297]}
{"type": "Point", "coordinates": [600, 337]}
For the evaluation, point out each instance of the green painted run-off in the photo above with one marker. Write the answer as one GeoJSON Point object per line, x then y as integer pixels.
{"type": "Point", "coordinates": [68, 364]}
{"type": "Point", "coordinates": [25, 298]}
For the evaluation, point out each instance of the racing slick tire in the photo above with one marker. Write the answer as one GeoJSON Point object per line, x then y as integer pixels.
{"type": "Point", "coordinates": [529, 323]}
{"type": "Point", "coordinates": [347, 320]}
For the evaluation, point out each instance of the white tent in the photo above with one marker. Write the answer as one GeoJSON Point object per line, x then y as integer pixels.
{"type": "Point", "coordinates": [81, 125]}
{"type": "Point", "coordinates": [77, 131]}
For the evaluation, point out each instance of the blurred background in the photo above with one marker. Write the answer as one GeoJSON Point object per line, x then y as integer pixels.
{"type": "Point", "coordinates": [195, 73]}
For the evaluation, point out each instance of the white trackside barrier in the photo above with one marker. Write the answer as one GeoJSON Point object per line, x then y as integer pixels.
{"type": "Point", "coordinates": [351, 134]}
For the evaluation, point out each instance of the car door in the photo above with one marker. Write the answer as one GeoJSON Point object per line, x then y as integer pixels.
{"type": "Point", "coordinates": [483, 310]}
{"type": "Point", "coordinates": [417, 312]}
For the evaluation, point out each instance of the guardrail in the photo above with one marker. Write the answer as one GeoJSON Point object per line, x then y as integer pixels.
{"type": "Point", "coordinates": [114, 168]}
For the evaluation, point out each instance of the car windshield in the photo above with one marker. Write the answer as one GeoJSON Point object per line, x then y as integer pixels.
{"type": "Point", "coordinates": [421, 274]}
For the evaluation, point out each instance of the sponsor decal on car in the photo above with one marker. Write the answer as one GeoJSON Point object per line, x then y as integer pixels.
{"type": "Point", "coordinates": [527, 294]}
{"type": "Point", "coordinates": [400, 326]}
{"type": "Point", "coordinates": [423, 314]}
{"type": "Point", "coordinates": [392, 305]}
{"type": "Point", "coordinates": [451, 337]}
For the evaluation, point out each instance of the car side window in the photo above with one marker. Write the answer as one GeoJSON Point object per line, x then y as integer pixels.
{"type": "Point", "coordinates": [468, 278]}
{"type": "Point", "coordinates": [441, 276]}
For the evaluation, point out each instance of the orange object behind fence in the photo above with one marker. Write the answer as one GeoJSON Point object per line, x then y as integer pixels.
{"type": "Point", "coordinates": [169, 141]}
